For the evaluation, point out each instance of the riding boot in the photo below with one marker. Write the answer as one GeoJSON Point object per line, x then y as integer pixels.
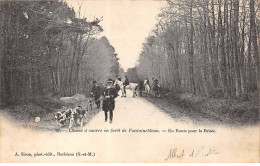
{"type": "Point", "coordinates": [105, 116]}
{"type": "Point", "coordinates": [110, 116]}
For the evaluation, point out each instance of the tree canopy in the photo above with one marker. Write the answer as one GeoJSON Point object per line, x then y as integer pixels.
{"type": "Point", "coordinates": [204, 47]}
{"type": "Point", "coordinates": [46, 50]}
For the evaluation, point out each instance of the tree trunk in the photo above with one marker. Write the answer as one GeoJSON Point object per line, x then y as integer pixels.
{"type": "Point", "coordinates": [254, 42]}
{"type": "Point", "coordinates": [236, 49]}
{"type": "Point", "coordinates": [191, 50]}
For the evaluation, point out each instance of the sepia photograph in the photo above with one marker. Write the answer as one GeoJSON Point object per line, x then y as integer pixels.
{"type": "Point", "coordinates": [129, 81]}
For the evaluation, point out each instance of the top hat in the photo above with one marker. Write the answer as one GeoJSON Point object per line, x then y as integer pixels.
{"type": "Point", "coordinates": [109, 81]}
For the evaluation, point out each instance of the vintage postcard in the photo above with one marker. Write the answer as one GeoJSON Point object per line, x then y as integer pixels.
{"type": "Point", "coordinates": [129, 81]}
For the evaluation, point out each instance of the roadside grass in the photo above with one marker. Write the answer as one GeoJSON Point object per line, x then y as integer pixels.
{"type": "Point", "coordinates": [209, 111]}
{"type": "Point", "coordinates": [45, 108]}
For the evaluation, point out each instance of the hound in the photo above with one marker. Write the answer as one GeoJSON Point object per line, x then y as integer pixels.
{"type": "Point", "coordinates": [78, 115]}
{"type": "Point", "coordinates": [62, 117]}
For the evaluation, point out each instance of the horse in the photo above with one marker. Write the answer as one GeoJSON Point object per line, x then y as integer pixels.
{"type": "Point", "coordinates": [147, 88]}
{"type": "Point", "coordinates": [131, 86]}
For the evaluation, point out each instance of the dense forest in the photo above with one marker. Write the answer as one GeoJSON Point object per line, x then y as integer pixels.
{"type": "Point", "coordinates": [47, 50]}
{"type": "Point", "coordinates": [205, 47]}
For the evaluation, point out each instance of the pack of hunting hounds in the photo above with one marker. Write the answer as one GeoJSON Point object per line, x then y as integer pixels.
{"type": "Point", "coordinates": [73, 117]}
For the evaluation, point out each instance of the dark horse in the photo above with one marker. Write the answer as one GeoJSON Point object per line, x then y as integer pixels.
{"type": "Point", "coordinates": [157, 90]}
{"type": "Point", "coordinates": [141, 87]}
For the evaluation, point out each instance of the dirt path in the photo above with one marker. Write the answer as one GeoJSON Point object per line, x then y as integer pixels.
{"type": "Point", "coordinates": [225, 144]}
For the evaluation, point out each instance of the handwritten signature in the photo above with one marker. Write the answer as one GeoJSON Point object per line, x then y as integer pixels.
{"type": "Point", "coordinates": [199, 152]}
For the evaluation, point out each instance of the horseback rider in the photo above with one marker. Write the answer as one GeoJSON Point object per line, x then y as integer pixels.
{"type": "Point", "coordinates": [146, 81]}
{"type": "Point", "coordinates": [126, 82]}
{"type": "Point", "coordinates": [156, 86]}
{"type": "Point", "coordinates": [109, 100]}
{"type": "Point", "coordinates": [96, 91]}
{"type": "Point", "coordinates": [117, 86]}
{"type": "Point", "coordinates": [155, 83]}
{"type": "Point", "coordinates": [147, 87]}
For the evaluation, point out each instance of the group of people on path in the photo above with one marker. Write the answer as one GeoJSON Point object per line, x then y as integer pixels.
{"type": "Point", "coordinates": [155, 85]}
{"type": "Point", "coordinates": [109, 92]}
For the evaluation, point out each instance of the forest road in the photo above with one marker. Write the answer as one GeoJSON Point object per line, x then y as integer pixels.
{"type": "Point", "coordinates": [226, 144]}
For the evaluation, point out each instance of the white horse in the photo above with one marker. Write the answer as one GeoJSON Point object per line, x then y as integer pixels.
{"type": "Point", "coordinates": [131, 86]}
{"type": "Point", "coordinates": [147, 88]}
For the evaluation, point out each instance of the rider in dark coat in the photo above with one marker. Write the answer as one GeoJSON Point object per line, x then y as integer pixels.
{"type": "Point", "coordinates": [155, 84]}
{"type": "Point", "coordinates": [126, 82]}
{"type": "Point", "coordinates": [96, 91]}
{"type": "Point", "coordinates": [110, 94]}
